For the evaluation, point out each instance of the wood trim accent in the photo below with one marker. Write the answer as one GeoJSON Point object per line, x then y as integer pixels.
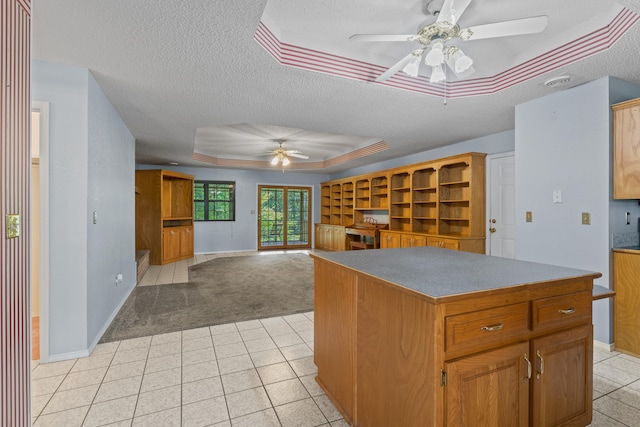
{"type": "Point", "coordinates": [15, 198]}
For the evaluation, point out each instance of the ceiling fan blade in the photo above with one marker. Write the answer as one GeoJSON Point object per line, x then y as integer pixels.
{"type": "Point", "coordinates": [300, 156]}
{"type": "Point", "coordinates": [395, 68]}
{"type": "Point", "coordinates": [451, 10]}
{"type": "Point", "coordinates": [515, 27]}
{"type": "Point", "coordinates": [382, 37]}
{"type": "Point", "coordinates": [292, 152]}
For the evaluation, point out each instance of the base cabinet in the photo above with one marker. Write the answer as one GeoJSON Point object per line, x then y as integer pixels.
{"type": "Point", "coordinates": [489, 389]}
{"type": "Point", "coordinates": [330, 237]}
{"type": "Point", "coordinates": [626, 282]}
{"type": "Point", "coordinates": [562, 378]}
{"type": "Point", "coordinates": [177, 243]}
{"type": "Point", "coordinates": [494, 388]}
{"type": "Point", "coordinates": [390, 356]}
{"type": "Point", "coordinates": [390, 239]}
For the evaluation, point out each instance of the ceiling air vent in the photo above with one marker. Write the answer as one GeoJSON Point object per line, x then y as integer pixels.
{"type": "Point", "coordinates": [557, 81]}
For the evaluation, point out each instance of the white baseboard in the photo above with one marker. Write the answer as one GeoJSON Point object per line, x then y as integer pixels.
{"type": "Point", "coordinates": [87, 352]}
{"type": "Point", "coordinates": [67, 356]}
{"type": "Point", "coordinates": [603, 346]}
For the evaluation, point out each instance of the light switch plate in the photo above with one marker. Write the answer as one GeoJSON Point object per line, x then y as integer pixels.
{"type": "Point", "coordinates": [529, 216]}
{"type": "Point", "coordinates": [586, 218]}
{"type": "Point", "coordinates": [13, 226]}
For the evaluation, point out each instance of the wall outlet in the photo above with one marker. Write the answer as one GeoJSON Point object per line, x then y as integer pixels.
{"type": "Point", "coordinates": [586, 218]}
{"type": "Point", "coordinates": [119, 278]}
{"type": "Point", "coordinates": [529, 216]}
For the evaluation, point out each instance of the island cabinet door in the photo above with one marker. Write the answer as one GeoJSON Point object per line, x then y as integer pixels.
{"type": "Point", "coordinates": [562, 378]}
{"type": "Point", "coordinates": [489, 389]}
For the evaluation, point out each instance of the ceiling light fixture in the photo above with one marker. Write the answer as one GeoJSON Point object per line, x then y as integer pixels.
{"type": "Point", "coordinates": [437, 54]}
{"type": "Point", "coordinates": [280, 158]}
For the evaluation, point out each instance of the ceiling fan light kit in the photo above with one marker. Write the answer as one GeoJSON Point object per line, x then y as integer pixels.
{"type": "Point", "coordinates": [435, 39]}
{"type": "Point", "coordinates": [281, 156]}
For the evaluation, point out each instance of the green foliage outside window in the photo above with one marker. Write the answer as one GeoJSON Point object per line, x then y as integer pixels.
{"type": "Point", "coordinates": [214, 201]}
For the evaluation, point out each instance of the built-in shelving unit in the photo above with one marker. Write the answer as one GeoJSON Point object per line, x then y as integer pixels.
{"type": "Point", "coordinates": [164, 215]}
{"type": "Point", "coordinates": [425, 200]}
{"type": "Point", "coordinates": [336, 204]}
{"type": "Point", "coordinates": [347, 203]}
{"type": "Point", "coordinates": [379, 192]}
{"type": "Point", "coordinates": [400, 209]}
{"type": "Point", "coordinates": [437, 203]}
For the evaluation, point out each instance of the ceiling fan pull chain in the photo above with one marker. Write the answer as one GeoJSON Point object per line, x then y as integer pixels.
{"type": "Point", "coordinates": [445, 86]}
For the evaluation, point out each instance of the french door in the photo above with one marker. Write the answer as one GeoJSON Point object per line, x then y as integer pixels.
{"type": "Point", "coordinates": [285, 213]}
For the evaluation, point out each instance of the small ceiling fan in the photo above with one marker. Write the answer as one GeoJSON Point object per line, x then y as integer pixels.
{"type": "Point", "coordinates": [280, 155]}
{"type": "Point", "coordinates": [439, 40]}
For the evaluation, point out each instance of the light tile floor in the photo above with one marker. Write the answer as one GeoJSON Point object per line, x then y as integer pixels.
{"type": "Point", "coordinates": [255, 373]}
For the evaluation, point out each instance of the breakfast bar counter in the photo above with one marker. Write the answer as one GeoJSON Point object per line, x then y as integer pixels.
{"type": "Point", "coordinates": [431, 337]}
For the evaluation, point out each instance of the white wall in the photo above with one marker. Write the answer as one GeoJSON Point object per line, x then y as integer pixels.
{"type": "Point", "coordinates": [90, 165]}
{"type": "Point", "coordinates": [562, 142]}
{"type": "Point", "coordinates": [242, 234]}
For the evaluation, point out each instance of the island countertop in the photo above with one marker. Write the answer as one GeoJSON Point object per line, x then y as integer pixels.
{"type": "Point", "coordinates": [440, 273]}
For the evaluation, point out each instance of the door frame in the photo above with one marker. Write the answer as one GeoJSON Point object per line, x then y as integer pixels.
{"type": "Point", "coordinates": [488, 195]}
{"type": "Point", "coordinates": [309, 216]}
{"type": "Point", "coordinates": [43, 109]}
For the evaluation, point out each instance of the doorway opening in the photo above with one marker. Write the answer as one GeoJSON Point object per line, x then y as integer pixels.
{"type": "Point", "coordinates": [40, 231]}
{"type": "Point", "coordinates": [285, 214]}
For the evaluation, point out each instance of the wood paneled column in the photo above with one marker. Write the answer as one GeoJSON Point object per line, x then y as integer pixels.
{"type": "Point", "coordinates": [15, 168]}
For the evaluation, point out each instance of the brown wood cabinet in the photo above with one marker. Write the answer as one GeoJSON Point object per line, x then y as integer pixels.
{"type": "Point", "coordinates": [626, 150]}
{"type": "Point", "coordinates": [164, 215]}
{"type": "Point", "coordinates": [443, 197]}
{"type": "Point", "coordinates": [514, 356]}
{"type": "Point", "coordinates": [626, 283]}
{"type": "Point", "coordinates": [330, 237]}
{"type": "Point", "coordinates": [394, 239]}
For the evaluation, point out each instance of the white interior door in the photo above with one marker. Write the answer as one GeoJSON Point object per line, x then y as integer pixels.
{"type": "Point", "coordinates": [502, 227]}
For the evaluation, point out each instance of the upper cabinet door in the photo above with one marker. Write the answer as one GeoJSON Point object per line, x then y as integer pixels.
{"type": "Point", "coordinates": [626, 150]}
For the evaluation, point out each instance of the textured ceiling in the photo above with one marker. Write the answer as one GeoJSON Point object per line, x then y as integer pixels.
{"type": "Point", "coordinates": [182, 73]}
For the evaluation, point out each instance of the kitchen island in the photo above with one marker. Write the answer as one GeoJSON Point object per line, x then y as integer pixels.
{"type": "Point", "coordinates": [431, 337]}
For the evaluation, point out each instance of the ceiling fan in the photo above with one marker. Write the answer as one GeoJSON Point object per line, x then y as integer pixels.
{"type": "Point", "coordinates": [280, 155]}
{"type": "Point", "coordinates": [439, 40]}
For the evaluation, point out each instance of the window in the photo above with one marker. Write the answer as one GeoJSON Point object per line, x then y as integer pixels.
{"type": "Point", "coordinates": [214, 201]}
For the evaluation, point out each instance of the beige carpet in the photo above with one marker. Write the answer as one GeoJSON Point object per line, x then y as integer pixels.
{"type": "Point", "coordinates": [219, 291]}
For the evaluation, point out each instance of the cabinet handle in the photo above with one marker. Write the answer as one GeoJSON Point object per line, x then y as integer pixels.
{"type": "Point", "coordinates": [567, 311]}
{"type": "Point", "coordinates": [493, 327]}
{"type": "Point", "coordinates": [526, 357]}
{"type": "Point", "coordinates": [541, 363]}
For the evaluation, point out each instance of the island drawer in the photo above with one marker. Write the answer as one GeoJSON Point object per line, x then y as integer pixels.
{"type": "Point", "coordinates": [483, 328]}
{"type": "Point", "coordinates": [561, 311]}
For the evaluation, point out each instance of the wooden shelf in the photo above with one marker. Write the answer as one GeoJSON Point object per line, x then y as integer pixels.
{"type": "Point", "coordinates": [440, 197]}
{"type": "Point", "coordinates": [164, 215]}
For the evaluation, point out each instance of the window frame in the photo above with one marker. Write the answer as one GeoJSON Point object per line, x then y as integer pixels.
{"type": "Point", "coordinates": [206, 201]}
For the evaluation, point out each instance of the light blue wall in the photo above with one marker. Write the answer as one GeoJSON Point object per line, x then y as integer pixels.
{"type": "Point", "coordinates": [111, 240]}
{"type": "Point", "coordinates": [65, 88]}
{"type": "Point", "coordinates": [562, 142]}
{"type": "Point", "coordinates": [497, 143]}
{"type": "Point", "coordinates": [242, 234]}
{"type": "Point", "coordinates": [83, 178]}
